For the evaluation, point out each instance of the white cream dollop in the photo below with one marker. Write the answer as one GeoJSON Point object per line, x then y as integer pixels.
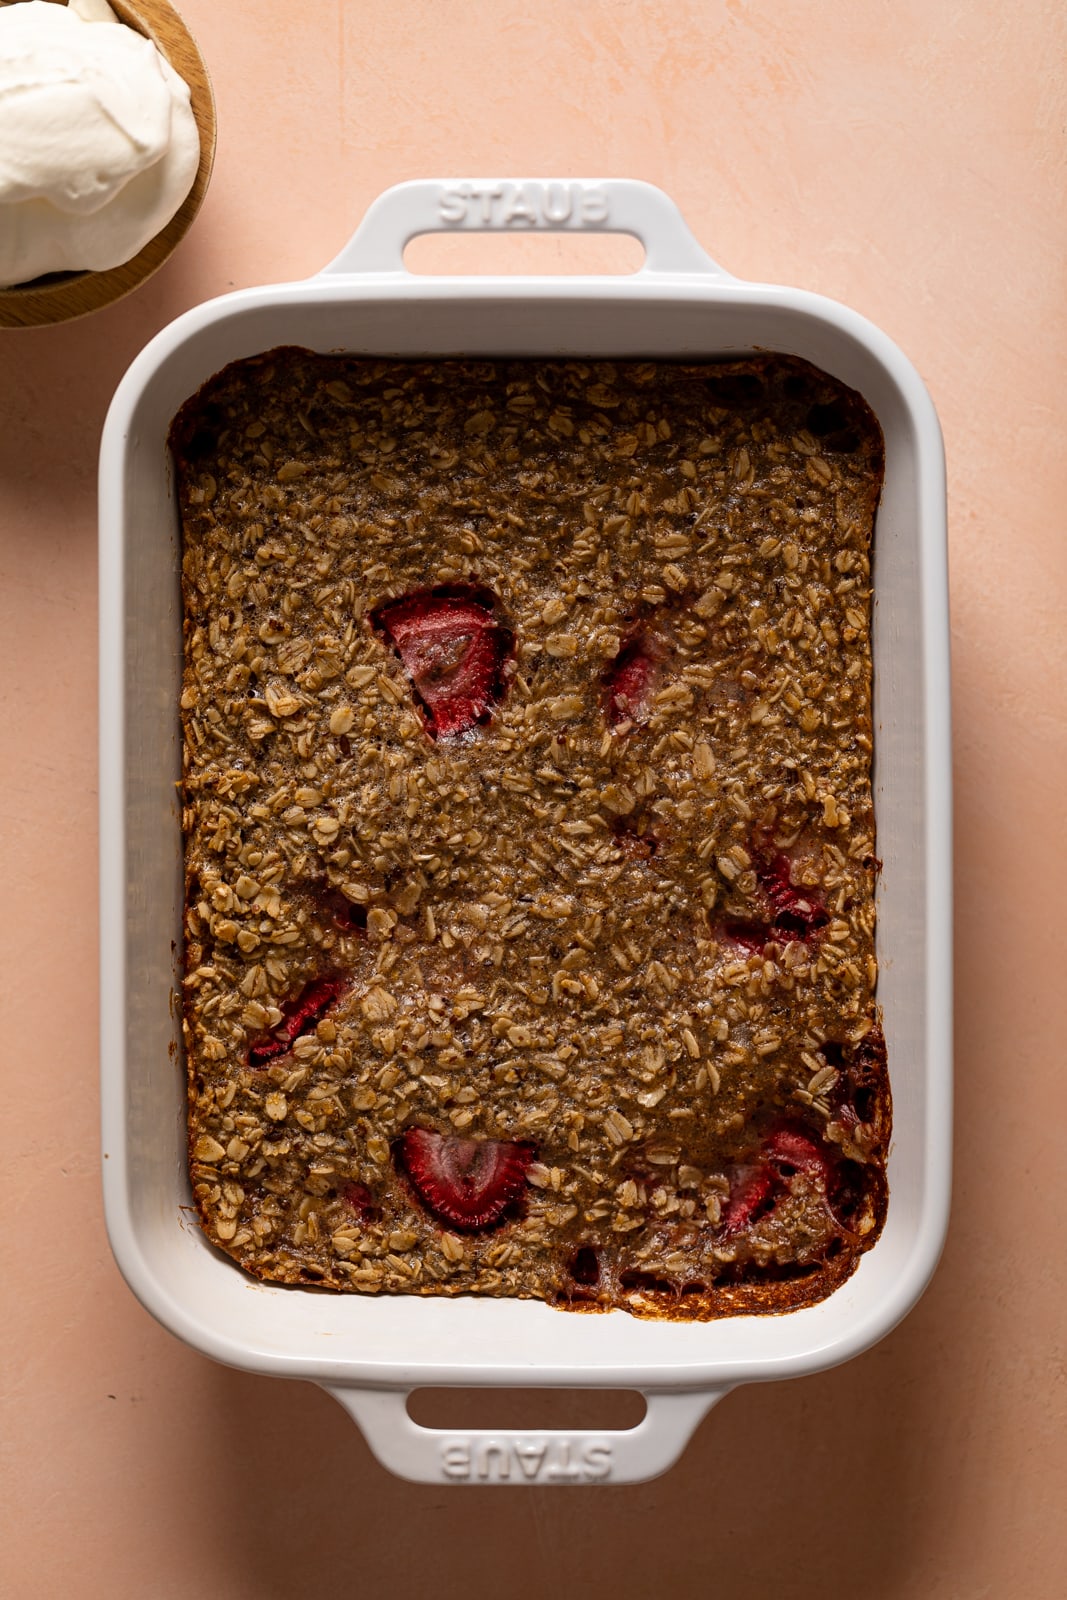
{"type": "Point", "coordinates": [98, 142]}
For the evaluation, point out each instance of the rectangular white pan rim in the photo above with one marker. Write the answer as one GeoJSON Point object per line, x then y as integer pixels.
{"type": "Point", "coordinates": [389, 285]}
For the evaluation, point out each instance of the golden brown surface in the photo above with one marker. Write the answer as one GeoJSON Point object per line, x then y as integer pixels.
{"type": "Point", "coordinates": [559, 927]}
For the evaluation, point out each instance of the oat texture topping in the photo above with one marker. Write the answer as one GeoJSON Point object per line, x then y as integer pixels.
{"type": "Point", "coordinates": [530, 849]}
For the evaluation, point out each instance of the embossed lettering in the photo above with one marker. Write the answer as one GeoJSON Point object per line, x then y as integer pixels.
{"type": "Point", "coordinates": [486, 195]}
{"type": "Point", "coordinates": [452, 205]}
{"type": "Point", "coordinates": [519, 209]}
{"type": "Point", "coordinates": [531, 1458]}
{"type": "Point", "coordinates": [532, 205]}
{"type": "Point", "coordinates": [557, 203]}
{"type": "Point", "coordinates": [456, 1460]}
{"type": "Point", "coordinates": [594, 205]}
{"type": "Point", "coordinates": [562, 1461]}
{"type": "Point", "coordinates": [597, 1461]}
{"type": "Point", "coordinates": [494, 1452]}
{"type": "Point", "coordinates": [563, 1471]}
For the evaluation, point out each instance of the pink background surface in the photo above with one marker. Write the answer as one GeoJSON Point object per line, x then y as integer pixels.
{"type": "Point", "coordinates": [905, 158]}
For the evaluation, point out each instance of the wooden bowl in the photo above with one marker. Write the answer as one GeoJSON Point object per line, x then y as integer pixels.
{"type": "Point", "coordinates": [63, 295]}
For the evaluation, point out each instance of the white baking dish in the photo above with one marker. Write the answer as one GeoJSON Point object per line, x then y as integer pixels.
{"type": "Point", "coordinates": [370, 1352]}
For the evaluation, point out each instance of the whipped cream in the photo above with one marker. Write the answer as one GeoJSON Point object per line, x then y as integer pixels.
{"type": "Point", "coordinates": [98, 142]}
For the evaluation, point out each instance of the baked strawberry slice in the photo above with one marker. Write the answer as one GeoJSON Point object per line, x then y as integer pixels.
{"type": "Point", "coordinates": [631, 679]}
{"type": "Point", "coordinates": [749, 932]}
{"type": "Point", "coordinates": [454, 651]}
{"type": "Point", "coordinates": [757, 1188]}
{"type": "Point", "coordinates": [798, 913]}
{"type": "Point", "coordinates": [792, 1152]}
{"type": "Point", "coordinates": [359, 1197]}
{"type": "Point", "coordinates": [468, 1183]}
{"type": "Point", "coordinates": [792, 913]}
{"type": "Point", "coordinates": [300, 1016]}
{"type": "Point", "coordinates": [752, 1194]}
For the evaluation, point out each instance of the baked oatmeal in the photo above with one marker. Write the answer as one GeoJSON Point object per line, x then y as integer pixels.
{"type": "Point", "coordinates": [530, 848]}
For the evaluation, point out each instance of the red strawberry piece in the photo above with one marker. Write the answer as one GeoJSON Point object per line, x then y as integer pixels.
{"type": "Point", "coordinates": [793, 1152]}
{"type": "Point", "coordinates": [454, 651]}
{"type": "Point", "coordinates": [794, 913]}
{"type": "Point", "coordinates": [300, 1016]}
{"type": "Point", "coordinates": [752, 1194]}
{"type": "Point", "coordinates": [359, 1197]}
{"type": "Point", "coordinates": [799, 913]}
{"type": "Point", "coordinates": [756, 1188]}
{"type": "Point", "coordinates": [748, 931]}
{"type": "Point", "coordinates": [467, 1183]}
{"type": "Point", "coordinates": [630, 680]}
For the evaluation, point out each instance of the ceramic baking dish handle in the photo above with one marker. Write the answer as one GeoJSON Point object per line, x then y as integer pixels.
{"type": "Point", "coordinates": [507, 1456]}
{"type": "Point", "coordinates": [525, 205]}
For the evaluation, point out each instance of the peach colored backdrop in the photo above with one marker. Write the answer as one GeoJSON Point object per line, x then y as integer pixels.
{"type": "Point", "coordinates": [906, 158]}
